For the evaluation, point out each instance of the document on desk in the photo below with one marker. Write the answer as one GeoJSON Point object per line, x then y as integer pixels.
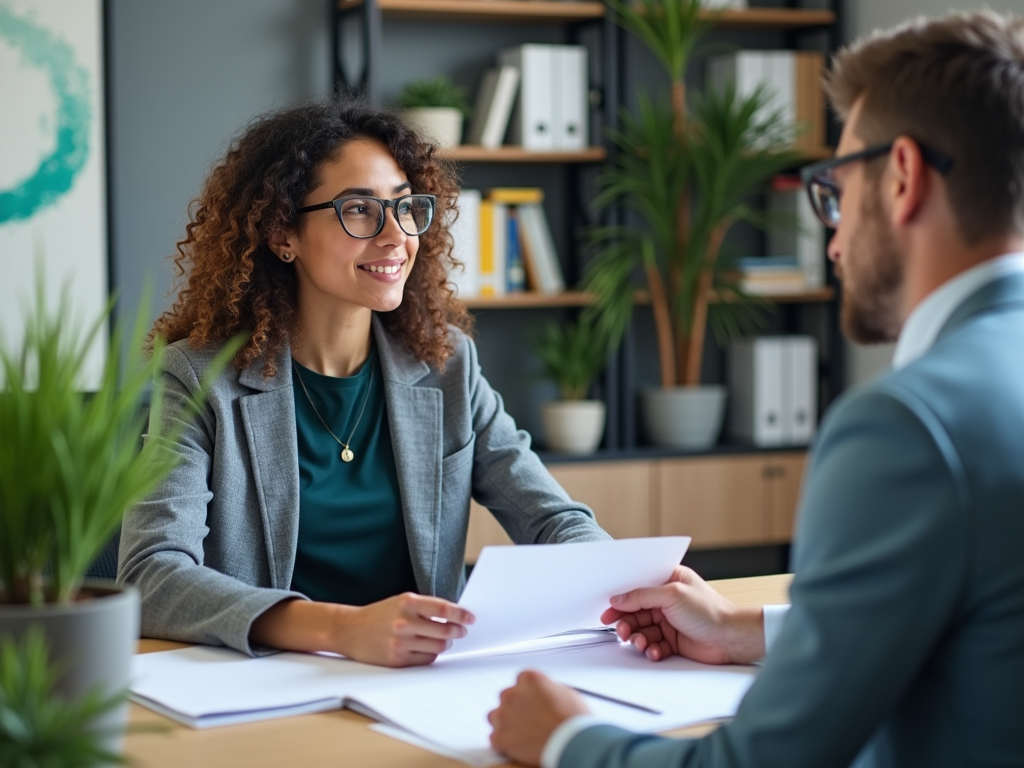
{"type": "Point", "coordinates": [442, 707]}
{"type": "Point", "coordinates": [520, 592]}
{"type": "Point", "coordinates": [517, 593]}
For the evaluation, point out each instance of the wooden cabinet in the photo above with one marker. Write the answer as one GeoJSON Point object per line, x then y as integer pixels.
{"type": "Point", "coordinates": [729, 501]}
{"type": "Point", "coordinates": [620, 493]}
{"type": "Point", "coordinates": [721, 501]}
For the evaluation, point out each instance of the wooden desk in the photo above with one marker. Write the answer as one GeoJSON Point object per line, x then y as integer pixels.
{"type": "Point", "coordinates": [332, 739]}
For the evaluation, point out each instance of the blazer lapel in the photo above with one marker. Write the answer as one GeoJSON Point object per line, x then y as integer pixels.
{"type": "Point", "coordinates": [268, 418]}
{"type": "Point", "coordinates": [415, 416]}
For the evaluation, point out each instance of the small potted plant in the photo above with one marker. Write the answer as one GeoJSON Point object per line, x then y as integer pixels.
{"type": "Point", "coordinates": [573, 354]}
{"type": "Point", "coordinates": [70, 465]}
{"type": "Point", "coordinates": [39, 726]}
{"type": "Point", "coordinates": [436, 107]}
{"type": "Point", "coordinates": [687, 179]}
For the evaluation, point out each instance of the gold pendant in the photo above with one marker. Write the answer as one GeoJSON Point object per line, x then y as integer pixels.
{"type": "Point", "coordinates": [347, 455]}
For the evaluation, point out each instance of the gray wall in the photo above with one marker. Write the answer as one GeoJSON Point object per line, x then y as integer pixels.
{"type": "Point", "coordinates": [184, 77]}
{"type": "Point", "coordinates": [864, 363]}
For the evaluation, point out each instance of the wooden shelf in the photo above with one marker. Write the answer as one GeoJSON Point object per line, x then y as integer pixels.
{"type": "Point", "coordinates": [550, 11]}
{"type": "Point", "coordinates": [771, 18]}
{"type": "Point", "coordinates": [535, 300]}
{"type": "Point", "coordinates": [556, 11]}
{"type": "Point", "coordinates": [469, 153]}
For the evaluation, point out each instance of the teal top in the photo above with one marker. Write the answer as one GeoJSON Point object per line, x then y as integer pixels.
{"type": "Point", "coordinates": [352, 545]}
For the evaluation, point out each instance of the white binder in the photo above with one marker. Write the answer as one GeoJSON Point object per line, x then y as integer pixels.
{"type": "Point", "coordinates": [533, 119]}
{"type": "Point", "coordinates": [799, 389]}
{"type": "Point", "coordinates": [570, 98]}
{"type": "Point", "coordinates": [755, 391]}
{"type": "Point", "coordinates": [466, 236]}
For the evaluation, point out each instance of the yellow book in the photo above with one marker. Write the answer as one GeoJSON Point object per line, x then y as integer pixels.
{"type": "Point", "coordinates": [493, 237]}
{"type": "Point", "coordinates": [516, 195]}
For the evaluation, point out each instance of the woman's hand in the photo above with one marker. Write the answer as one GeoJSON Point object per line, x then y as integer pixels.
{"type": "Point", "coordinates": [401, 631]}
{"type": "Point", "coordinates": [687, 617]}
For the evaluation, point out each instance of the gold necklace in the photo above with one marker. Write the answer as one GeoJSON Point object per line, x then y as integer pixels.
{"type": "Point", "coordinates": [346, 452]}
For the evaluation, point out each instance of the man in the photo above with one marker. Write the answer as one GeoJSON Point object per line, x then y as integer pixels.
{"type": "Point", "coordinates": [904, 645]}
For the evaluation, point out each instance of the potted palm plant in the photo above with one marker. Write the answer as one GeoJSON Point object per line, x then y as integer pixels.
{"type": "Point", "coordinates": [686, 178]}
{"type": "Point", "coordinates": [70, 465]}
{"type": "Point", "coordinates": [436, 107]}
{"type": "Point", "coordinates": [572, 355]}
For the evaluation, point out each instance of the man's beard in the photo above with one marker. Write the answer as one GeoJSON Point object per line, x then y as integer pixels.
{"type": "Point", "coordinates": [871, 304]}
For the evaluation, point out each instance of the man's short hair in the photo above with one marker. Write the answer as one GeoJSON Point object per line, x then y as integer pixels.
{"type": "Point", "coordinates": [955, 84]}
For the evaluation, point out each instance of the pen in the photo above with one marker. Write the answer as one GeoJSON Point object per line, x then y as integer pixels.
{"type": "Point", "coordinates": [612, 699]}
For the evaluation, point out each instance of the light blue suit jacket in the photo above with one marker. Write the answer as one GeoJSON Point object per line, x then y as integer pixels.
{"type": "Point", "coordinates": [214, 546]}
{"type": "Point", "coordinates": [905, 642]}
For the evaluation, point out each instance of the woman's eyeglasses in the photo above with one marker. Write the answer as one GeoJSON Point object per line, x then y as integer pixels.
{"type": "Point", "coordinates": [363, 217]}
{"type": "Point", "coordinates": [825, 193]}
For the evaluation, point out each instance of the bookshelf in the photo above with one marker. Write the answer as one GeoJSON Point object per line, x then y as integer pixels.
{"type": "Point", "coordinates": [534, 300]}
{"type": "Point", "coordinates": [577, 22]}
{"type": "Point", "coordinates": [468, 153]}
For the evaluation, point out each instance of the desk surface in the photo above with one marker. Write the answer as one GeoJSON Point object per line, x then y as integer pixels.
{"type": "Point", "coordinates": [332, 738]}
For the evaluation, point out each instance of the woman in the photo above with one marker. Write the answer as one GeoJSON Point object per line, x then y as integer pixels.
{"type": "Point", "coordinates": [322, 499]}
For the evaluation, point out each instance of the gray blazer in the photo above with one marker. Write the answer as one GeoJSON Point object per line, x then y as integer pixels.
{"type": "Point", "coordinates": [214, 546]}
{"type": "Point", "coordinates": [905, 643]}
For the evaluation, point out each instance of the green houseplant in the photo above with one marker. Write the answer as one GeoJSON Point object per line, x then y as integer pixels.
{"type": "Point", "coordinates": [70, 465]}
{"type": "Point", "coordinates": [40, 727]}
{"type": "Point", "coordinates": [436, 106]}
{"type": "Point", "coordinates": [572, 355]}
{"type": "Point", "coordinates": [687, 178]}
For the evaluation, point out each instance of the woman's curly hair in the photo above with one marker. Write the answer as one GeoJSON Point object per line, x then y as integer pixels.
{"type": "Point", "coordinates": [235, 283]}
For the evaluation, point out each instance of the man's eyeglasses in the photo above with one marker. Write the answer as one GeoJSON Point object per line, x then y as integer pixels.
{"type": "Point", "coordinates": [824, 192]}
{"type": "Point", "coordinates": [363, 217]}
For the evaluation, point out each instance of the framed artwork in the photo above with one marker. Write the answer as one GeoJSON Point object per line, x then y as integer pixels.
{"type": "Point", "coordinates": [53, 187]}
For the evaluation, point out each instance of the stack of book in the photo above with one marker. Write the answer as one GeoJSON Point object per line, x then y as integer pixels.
{"type": "Point", "coordinates": [504, 244]}
{"type": "Point", "coordinates": [797, 231]}
{"type": "Point", "coordinates": [771, 275]}
{"type": "Point", "coordinates": [792, 77]}
{"type": "Point", "coordinates": [538, 94]}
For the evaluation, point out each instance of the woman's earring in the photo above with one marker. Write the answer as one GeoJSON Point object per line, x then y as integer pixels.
{"type": "Point", "coordinates": [286, 257]}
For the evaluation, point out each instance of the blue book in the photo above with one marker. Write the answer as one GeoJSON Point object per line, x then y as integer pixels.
{"type": "Point", "coordinates": [515, 271]}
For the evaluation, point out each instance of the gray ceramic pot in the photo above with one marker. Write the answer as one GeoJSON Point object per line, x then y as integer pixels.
{"type": "Point", "coordinates": [94, 639]}
{"type": "Point", "coordinates": [684, 417]}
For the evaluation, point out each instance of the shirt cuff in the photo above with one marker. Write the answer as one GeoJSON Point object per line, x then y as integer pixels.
{"type": "Point", "coordinates": [561, 737]}
{"type": "Point", "coordinates": [774, 615]}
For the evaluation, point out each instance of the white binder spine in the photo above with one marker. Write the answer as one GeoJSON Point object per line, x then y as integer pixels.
{"type": "Point", "coordinates": [571, 129]}
{"type": "Point", "coordinates": [533, 118]}
{"type": "Point", "coordinates": [800, 389]}
{"type": "Point", "coordinates": [755, 383]}
{"type": "Point", "coordinates": [466, 236]}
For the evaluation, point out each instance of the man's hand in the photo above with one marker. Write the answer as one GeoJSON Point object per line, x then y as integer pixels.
{"type": "Point", "coordinates": [687, 617]}
{"type": "Point", "coordinates": [529, 713]}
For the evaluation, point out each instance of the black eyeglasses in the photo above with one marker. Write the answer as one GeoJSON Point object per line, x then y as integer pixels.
{"type": "Point", "coordinates": [363, 217]}
{"type": "Point", "coordinates": [824, 192]}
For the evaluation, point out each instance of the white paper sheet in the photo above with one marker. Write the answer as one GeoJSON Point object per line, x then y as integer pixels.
{"type": "Point", "coordinates": [522, 592]}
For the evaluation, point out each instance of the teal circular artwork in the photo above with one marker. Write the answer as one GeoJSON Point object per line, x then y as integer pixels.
{"type": "Point", "coordinates": [40, 48]}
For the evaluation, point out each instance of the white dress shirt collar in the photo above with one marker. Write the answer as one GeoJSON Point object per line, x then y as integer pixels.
{"type": "Point", "coordinates": [926, 321]}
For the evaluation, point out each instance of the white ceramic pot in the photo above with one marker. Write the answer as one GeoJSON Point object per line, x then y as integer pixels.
{"type": "Point", "coordinates": [683, 417]}
{"type": "Point", "coordinates": [573, 426]}
{"type": "Point", "coordinates": [441, 125]}
{"type": "Point", "coordinates": [93, 639]}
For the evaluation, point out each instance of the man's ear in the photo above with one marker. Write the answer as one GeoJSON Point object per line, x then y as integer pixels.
{"type": "Point", "coordinates": [284, 244]}
{"type": "Point", "coordinates": [910, 183]}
